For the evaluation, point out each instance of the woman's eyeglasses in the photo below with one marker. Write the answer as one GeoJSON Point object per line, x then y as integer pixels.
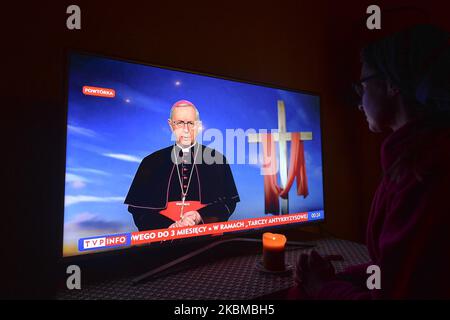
{"type": "Point", "coordinates": [358, 86]}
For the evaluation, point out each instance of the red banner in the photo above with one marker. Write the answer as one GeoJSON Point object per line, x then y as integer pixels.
{"type": "Point", "coordinates": [214, 228]}
{"type": "Point", "coordinates": [99, 92]}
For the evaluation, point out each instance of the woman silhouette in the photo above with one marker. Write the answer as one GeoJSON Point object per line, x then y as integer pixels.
{"type": "Point", "coordinates": [404, 87]}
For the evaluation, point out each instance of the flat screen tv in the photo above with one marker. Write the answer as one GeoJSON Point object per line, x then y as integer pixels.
{"type": "Point", "coordinates": [157, 155]}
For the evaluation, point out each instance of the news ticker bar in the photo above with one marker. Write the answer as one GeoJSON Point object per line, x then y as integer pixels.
{"type": "Point", "coordinates": [143, 237]}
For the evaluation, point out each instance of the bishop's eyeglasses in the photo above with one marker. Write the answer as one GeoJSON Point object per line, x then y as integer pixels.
{"type": "Point", "coordinates": [181, 124]}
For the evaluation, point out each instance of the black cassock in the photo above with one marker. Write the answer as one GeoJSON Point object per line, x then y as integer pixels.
{"type": "Point", "coordinates": [157, 182]}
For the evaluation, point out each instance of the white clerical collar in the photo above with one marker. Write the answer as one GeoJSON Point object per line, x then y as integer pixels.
{"type": "Point", "coordinates": [186, 149]}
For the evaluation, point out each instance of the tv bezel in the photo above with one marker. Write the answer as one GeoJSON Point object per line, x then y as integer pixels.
{"type": "Point", "coordinates": [145, 248]}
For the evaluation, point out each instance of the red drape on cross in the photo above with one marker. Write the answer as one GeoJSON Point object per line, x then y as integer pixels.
{"type": "Point", "coordinates": [297, 169]}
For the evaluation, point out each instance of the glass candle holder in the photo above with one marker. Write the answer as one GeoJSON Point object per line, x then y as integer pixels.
{"type": "Point", "coordinates": [273, 251]}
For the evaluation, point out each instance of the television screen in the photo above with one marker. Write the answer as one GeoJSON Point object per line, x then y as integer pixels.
{"type": "Point", "coordinates": [155, 154]}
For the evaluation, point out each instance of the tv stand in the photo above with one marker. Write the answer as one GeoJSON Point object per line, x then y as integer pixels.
{"type": "Point", "coordinates": [154, 272]}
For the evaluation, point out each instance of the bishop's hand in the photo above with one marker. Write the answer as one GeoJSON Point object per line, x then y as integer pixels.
{"type": "Point", "coordinates": [189, 219]}
{"type": "Point", "coordinates": [185, 222]}
{"type": "Point", "coordinates": [194, 216]}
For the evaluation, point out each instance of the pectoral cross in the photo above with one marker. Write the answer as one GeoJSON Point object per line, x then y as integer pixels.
{"type": "Point", "coordinates": [182, 204]}
{"type": "Point", "coordinates": [282, 136]}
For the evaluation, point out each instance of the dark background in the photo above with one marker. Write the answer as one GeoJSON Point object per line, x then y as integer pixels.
{"type": "Point", "coordinates": [305, 45]}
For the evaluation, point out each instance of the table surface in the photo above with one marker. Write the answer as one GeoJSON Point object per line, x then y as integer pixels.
{"type": "Point", "coordinates": [229, 278]}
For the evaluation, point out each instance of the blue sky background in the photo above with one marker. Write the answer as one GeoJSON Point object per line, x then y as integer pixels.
{"type": "Point", "coordinates": [107, 137]}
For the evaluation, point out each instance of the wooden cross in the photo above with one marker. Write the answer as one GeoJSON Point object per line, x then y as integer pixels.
{"type": "Point", "coordinates": [282, 136]}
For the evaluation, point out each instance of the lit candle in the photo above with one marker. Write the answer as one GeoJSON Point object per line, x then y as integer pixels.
{"type": "Point", "coordinates": [273, 251]}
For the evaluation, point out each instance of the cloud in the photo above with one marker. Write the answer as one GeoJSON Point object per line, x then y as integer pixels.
{"type": "Point", "coordinates": [97, 224]}
{"type": "Point", "coordinates": [87, 224]}
{"type": "Point", "coordinates": [265, 115]}
{"type": "Point", "coordinates": [308, 158]}
{"type": "Point", "coordinates": [77, 182]}
{"type": "Point", "coordinates": [254, 157]}
{"type": "Point", "coordinates": [318, 172]}
{"type": "Point", "coordinates": [86, 221]}
{"type": "Point", "coordinates": [123, 157]}
{"type": "Point", "coordinates": [292, 101]}
{"type": "Point", "coordinates": [71, 200]}
{"type": "Point", "coordinates": [165, 129]}
{"type": "Point", "coordinates": [87, 147]}
{"type": "Point", "coordinates": [70, 177]}
{"type": "Point", "coordinates": [81, 131]}
{"type": "Point", "coordinates": [302, 115]}
{"type": "Point", "coordinates": [89, 170]}
{"type": "Point", "coordinates": [137, 98]}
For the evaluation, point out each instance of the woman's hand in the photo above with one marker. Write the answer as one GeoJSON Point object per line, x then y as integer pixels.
{"type": "Point", "coordinates": [312, 272]}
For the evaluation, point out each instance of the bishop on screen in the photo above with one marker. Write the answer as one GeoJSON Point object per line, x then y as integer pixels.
{"type": "Point", "coordinates": [184, 184]}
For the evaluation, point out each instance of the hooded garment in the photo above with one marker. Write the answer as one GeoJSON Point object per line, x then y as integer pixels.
{"type": "Point", "coordinates": [408, 231]}
{"type": "Point", "coordinates": [408, 228]}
